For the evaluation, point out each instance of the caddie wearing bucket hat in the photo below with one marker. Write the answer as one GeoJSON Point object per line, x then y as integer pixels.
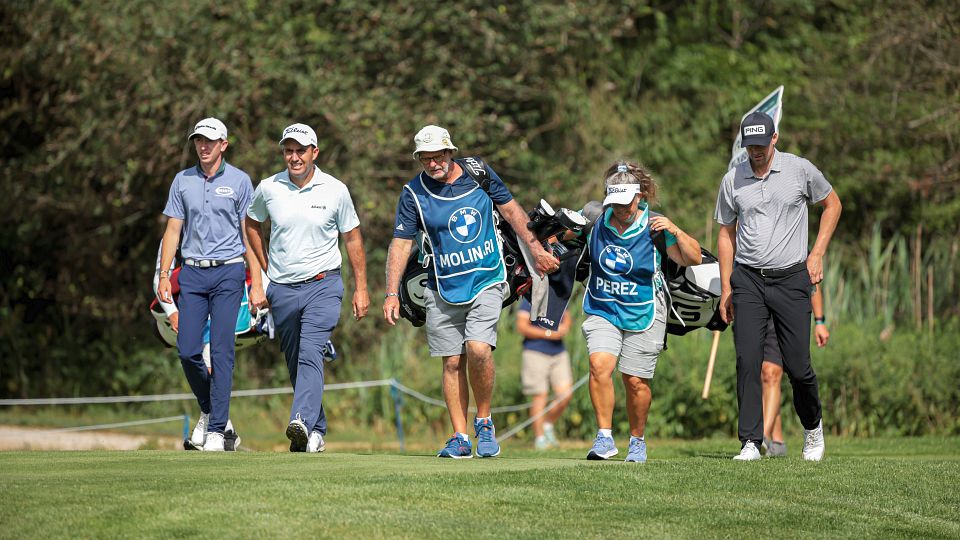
{"type": "Point", "coordinates": [309, 211]}
{"type": "Point", "coordinates": [766, 272]}
{"type": "Point", "coordinates": [467, 282]}
{"type": "Point", "coordinates": [206, 209]}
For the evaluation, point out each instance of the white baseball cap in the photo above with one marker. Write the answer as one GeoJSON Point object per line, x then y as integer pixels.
{"type": "Point", "coordinates": [621, 193]}
{"type": "Point", "coordinates": [210, 128]}
{"type": "Point", "coordinates": [301, 133]}
{"type": "Point", "coordinates": [431, 139]}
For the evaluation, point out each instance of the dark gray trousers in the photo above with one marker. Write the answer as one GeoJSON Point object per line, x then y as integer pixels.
{"type": "Point", "coordinates": [785, 300]}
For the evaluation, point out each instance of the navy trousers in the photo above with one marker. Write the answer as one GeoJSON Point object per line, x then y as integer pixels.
{"type": "Point", "coordinates": [305, 316]}
{"type": "Point", "coordinates": [785, 300]}
{"type": "Point", "coordinates": [214, 293]}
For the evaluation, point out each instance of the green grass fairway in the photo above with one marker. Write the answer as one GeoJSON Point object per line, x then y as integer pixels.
{"type": "Point", "coordinates": [864, 488]}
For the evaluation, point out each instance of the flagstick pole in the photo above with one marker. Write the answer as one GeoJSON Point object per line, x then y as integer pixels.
{"type": "Point", "coordinates": [713, 357]}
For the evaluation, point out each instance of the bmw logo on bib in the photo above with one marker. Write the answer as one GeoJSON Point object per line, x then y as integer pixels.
{"type": "Point", "coordinates": [465, 225]}
{"type": "Point", "coordinates": [616, 260]}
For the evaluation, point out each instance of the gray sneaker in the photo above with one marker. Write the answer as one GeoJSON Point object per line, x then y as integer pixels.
{"type": "Point", "coordinates": [776, 449]}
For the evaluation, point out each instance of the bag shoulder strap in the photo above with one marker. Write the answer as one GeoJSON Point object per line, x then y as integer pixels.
{"type": "Point", "coordinates": [477, 169]}
{"type": "Point", "coordinates": [660, 242]}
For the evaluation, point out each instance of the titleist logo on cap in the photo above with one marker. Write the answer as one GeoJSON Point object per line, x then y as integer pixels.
{"type": "Point", "coordinates": [613, 189]}
{"type": "Point", "coordinates": [294, 129]}
{"type": "Point", "coordinates": [755, 130]}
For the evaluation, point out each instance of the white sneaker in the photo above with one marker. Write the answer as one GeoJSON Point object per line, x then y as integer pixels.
{"type": "Point", "coordinates": [813, 443]}
{"type": "Point", "coordinates": [551, 436]}
{"type": "Point", "coordinates": [214, 442]}
{"type": "Point", "coordinates": [541, 443]}
{"type": "Point", "coordinates": [749, 452]}
{"type": "Point", "coordinates": [315, 443]}
{"type": "Point", "coordinates": [199, 436]}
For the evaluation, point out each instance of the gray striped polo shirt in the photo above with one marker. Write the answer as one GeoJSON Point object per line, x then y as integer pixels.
{"type": "Point", "coordinates": [771, 212]}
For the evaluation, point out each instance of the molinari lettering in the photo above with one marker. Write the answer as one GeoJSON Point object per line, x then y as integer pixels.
{"type": "Point", "coordinates": [467, 256]}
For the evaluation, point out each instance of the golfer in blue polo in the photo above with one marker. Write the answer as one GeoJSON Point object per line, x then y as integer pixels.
{"type": "Point", "coordinates": [308, 211]}
{"type": "Point", "coordinates": [207, 205]}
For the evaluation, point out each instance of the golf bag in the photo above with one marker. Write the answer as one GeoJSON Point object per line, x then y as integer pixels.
{"type": "Point", "coordinates": [249, 330]}
{"type": "Point", "coordinates": [694, 295]}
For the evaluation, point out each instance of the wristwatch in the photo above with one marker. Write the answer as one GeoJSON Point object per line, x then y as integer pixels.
{"type": "Point", "coordinates": [548, 333]}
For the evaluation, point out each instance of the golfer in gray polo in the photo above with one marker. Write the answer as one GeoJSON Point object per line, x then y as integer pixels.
{"type": "Point", "coordinates": [767, 273]}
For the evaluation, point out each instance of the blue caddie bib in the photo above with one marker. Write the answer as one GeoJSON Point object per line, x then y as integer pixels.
{"type": "Point", "coordinates": [620, 286]}
{"type": "Point", "coordinates": [467, 258]}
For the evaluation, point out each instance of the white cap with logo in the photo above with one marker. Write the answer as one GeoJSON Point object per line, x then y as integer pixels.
{"type": "Point", "coordinates": [301, 133]}
{"type": "Point", "coordinates": [431, 139]}
{"type": "Point", "coordinates": [621, 193]}
{"type": "Point", "coordinates": [210, 128]}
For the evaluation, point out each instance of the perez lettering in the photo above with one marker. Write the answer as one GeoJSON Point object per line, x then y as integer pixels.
{"type": "Point", "coordinates": [622, 288]}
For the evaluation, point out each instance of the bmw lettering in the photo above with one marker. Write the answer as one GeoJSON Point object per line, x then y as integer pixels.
{"type": "Point", "coordinates": [616, 261]}
{"type": "Point", "coordinates": [465, 225]}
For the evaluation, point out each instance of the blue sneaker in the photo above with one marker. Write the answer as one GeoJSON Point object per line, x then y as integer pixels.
{"type": "Point", "coordinates": [487, 445]}
{"type": "Point", "coordinates": [603, 448]}
{"type": "Point", "coordinates": [456, 448]}
{"type": "Point", "coordinates": [637, 453]}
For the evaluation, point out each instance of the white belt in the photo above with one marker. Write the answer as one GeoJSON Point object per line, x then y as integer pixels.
{"type": "Point", "coordinates": [210, 263]}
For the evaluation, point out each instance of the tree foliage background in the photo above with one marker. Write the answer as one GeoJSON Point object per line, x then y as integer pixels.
{"type": "Point", "coordinates": [96, 100]}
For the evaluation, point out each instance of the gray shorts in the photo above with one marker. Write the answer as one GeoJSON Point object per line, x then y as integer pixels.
{"type": "Point", "coordinates": [638, 351]}
{"type": "Point", "coordinates": [449, 326]}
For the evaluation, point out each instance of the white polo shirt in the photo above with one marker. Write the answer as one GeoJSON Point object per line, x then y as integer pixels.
{"type": "Point", "coordinates": [304, 224]}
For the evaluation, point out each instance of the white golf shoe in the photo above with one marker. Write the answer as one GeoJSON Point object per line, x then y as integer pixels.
{"type": "Point", "coordinates": [749, 452]}
{"type": "Point", "coordinates": [813, 443]}
{"type": "Point", "coordinates": [315, 443]}
{"type": "Point", "coordinates": [199, 436]}
{"type": "Point", "coordinates": [214, 442]}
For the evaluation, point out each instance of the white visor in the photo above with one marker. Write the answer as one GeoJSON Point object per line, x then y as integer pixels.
{"type": "Point", "coordinates": [621, 194]}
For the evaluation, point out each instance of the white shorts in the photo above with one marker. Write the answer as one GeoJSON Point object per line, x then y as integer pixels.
{"type": "Point", "coordinates": [540, 370]}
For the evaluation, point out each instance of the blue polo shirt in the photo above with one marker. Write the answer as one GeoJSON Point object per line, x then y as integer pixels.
{"type": "Point", "coordinates": [212, 209]}
{"type": "Point", "coordinates": [545, 346]}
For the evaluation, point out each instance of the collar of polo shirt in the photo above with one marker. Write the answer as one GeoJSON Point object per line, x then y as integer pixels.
{"type": "Point", "coordinates": [223, 165]}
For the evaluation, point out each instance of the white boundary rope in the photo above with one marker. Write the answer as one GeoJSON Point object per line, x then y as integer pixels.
{"type": "Point", "coordinates": [556, 400]}
{"type": "Point", "coordinates": [276, 391]}
{"type": "Point", "coordinates": [179, 397]}
{"type": "Point", "coordinates": [120, 424]}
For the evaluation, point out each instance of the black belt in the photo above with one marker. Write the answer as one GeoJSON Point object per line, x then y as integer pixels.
{"type": "Point", "coordinates": [777, 272]}
{"type": "Point", "coordinates": [317, 277]}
